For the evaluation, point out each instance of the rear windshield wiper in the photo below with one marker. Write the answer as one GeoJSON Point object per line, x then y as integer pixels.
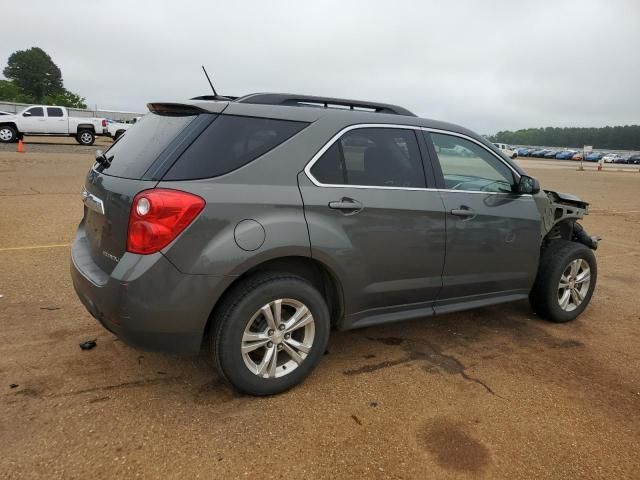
{"type": "Point", "coordinates": [102, 159]}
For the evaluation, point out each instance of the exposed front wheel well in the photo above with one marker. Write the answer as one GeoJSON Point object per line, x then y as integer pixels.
{"type": "Point", "coordinates": [560, 231]}
{"type": "Point", "coordinates": [569, 230]}
{"type": "Point", "coordinates": [313, 271]}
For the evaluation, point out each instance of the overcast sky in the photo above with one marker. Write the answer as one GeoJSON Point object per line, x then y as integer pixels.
{"type": "Point", "coordinates": [486, 65]}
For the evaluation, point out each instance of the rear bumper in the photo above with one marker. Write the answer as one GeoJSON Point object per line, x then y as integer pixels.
{"type": "Point", "coordinates": [146, 301]}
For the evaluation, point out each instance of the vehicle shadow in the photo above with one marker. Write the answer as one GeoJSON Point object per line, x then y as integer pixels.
{"type": "Point", "coordinates": [448, 344]}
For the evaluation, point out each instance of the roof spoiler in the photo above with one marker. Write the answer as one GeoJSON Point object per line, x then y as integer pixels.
{"type": "Point", "coordinates": [174, 109]}
{"type": "Point", "coordinates": [322, 102]}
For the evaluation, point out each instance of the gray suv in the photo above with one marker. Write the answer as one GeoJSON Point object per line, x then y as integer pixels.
{"type": "Point", "coordinates": [253, 225]}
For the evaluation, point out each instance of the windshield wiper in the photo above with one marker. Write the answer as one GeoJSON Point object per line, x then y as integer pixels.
{"type": "Point", "coordinates": [102, 159]}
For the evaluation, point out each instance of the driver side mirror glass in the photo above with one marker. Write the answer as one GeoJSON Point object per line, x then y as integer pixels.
{"type": "Point", "coordinates": [528, 184]}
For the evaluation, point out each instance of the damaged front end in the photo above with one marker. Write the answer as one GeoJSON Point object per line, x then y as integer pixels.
{"type": "Point", "coordinates": [560, 213]}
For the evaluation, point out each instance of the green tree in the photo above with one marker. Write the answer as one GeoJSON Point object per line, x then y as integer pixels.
{"type": "Point", "coordinates": [35, 78]}
{"type": "Point", "coordinates": [35, 73]}
{"type": "Point", "coordinates": [65, 99]}
{"type": "Point", "coordinates": [619, 137]}
{"type": "Point", "coordinates": [10, 92]}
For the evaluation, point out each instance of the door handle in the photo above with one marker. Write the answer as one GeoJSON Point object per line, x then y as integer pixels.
{"type": "Point", "coordinates": [348, 206]}
{"type": "Point", "coordinates": [463, 212]}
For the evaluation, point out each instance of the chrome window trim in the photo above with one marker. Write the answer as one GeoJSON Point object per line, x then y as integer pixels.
{"type": "Point", "coordinates": [336, 137]}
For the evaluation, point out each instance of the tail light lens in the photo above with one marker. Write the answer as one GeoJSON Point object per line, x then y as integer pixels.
{"type": "Point", "coordinates": [104, 122]}
{"type": "Point", "coordinates": [158, 216]}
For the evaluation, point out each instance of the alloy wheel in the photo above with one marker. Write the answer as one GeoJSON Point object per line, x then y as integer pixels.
{"type": "Point", "coordinates": [574, 284]}
{"type": "Point", "coordinates": [278, 338]}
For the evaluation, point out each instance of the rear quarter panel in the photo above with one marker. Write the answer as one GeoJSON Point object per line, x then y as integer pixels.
{"type": "Point", "coordinates": [209, 246]}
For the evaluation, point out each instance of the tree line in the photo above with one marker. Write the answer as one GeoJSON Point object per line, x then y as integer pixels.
{"type": "Point", "coordinates": [625, 137]}
{"type": "Point", "coordinates": [33, 77]}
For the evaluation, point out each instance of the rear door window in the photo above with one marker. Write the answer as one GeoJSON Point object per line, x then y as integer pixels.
{"type": "Point", "coordinates": [378, 157]}
{"type": "Point", "coordinates": [54, 112]}
{"type": "Point", "coordinates": [136, 150]}
{"type": "Point", "coordinates": [229, 143]}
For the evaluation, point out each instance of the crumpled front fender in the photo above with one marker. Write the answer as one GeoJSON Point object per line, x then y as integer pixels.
{"type": "Point", "coordinates": [556, 207]}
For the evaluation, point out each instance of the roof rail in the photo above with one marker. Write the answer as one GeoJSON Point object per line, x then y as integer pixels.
{"type": "Point", "coordinates": [322, 102]}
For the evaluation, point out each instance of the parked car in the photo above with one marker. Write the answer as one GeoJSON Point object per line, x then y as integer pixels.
{"type": "Point", "coordinates": [269, 221]}
{"type": "Point", "coordinates": [634, 159]}
{"type": "Point", "coordinates": [551, 154]}
{"type": "Point", "coordinates": [566, 154]}
{"type": "Point", "coordinates": [115, 129]}
{"type": "Point", "coordinates": [611, 158]}
{"type": "Point", "coordinates": [539, 153]}
{"type": "Point", "coordinates": [593, 156]}
{"type": "Point", "coordinates": [623, 158]}
{"type": "Point", "coordinates": [50, 120]}
{"type": "Point", "coordinates": [577, 156]}
{"type": "Point", "coordinates": [508, 150]}
{"type": "Point", "coordinates": [523, 152]}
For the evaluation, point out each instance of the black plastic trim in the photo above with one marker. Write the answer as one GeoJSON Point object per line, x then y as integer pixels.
{"type": "Point", "coordinates": [433, 160]}
{"type": "Point", "coordinates": [178, 145]}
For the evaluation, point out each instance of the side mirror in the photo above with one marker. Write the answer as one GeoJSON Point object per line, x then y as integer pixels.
{"type": "Point", "coordinates": [528, 184]}
{"type": "Point", "coordinates": [26, 114]}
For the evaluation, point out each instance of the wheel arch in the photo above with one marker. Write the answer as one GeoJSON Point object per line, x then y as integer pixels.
{"type": "Point", "coordinates": [85, 126]}
{"type": "Point", "coordinates": [10, 124]}
{"type": "Point", "coordinates": [320, 275]}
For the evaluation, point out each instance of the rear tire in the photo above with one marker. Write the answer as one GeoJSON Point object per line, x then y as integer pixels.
{"type": "Point", "coordinates": [85, 137]}
{"type": "Point", "coordinates": [8, 134]}
{"type": "Point", "coordinates": [297, 342]}
{"type": "Point", "coordinates": [565, 282]}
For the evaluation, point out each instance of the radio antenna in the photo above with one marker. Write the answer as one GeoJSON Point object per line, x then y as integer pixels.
{"type": "Point", "coordinates": [209, 80]}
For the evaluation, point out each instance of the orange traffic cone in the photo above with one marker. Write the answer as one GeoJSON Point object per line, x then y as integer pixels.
{"type": "Point", "coordinates": [20, 146]}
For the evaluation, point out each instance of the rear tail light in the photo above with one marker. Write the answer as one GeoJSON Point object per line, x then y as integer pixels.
{"type": "Point", "coordinates": [104, 122]}
{"type": "Point", "coordinates": [158, 216]}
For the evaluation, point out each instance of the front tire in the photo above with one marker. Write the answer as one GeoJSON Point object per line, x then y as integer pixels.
{"type": "Point", "coordinates": [269, 333]}
{"type": "Point", "coordinates": [8, 134]}
{"type": "Point", "coordinates": [85, 137]}
{"type": "Point", "coordinates": [565, 282]}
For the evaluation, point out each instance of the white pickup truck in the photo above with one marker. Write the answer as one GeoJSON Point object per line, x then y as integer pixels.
{"type": "Point", "coordinates": [115, 129]}
{"type": "Point", "coordinates": [508, 150]}
{"type": "Point", "coordinates": [50, 120]}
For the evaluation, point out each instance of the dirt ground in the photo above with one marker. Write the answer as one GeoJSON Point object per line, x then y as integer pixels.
{"type": "Point", "coordinates": [492, 393]}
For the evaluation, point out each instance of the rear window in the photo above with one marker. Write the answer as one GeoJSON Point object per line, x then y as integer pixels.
{"type": "Point", "coordinates": [135, 151]}
{"type": "Point", "coordinates": [229, 143]}
{"type": "Point", "coordinates": [54, 112]}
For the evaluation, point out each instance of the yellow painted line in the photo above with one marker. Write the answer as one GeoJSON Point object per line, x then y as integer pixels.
{"type": "Point", "coordinates": [33, 247]}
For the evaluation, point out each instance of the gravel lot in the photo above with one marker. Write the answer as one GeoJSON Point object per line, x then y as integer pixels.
{"type": "Point", "coordinates": [492, 393]}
